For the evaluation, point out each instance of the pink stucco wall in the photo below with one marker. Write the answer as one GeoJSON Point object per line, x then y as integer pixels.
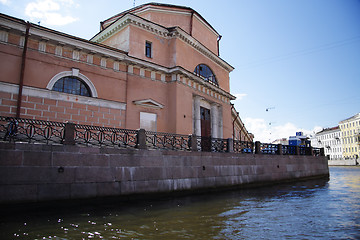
{"type": "Point", "coordinates": [119, 78]}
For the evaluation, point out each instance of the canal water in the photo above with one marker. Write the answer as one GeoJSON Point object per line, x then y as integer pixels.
{"type": "Point", "coordinates": [317, 209]}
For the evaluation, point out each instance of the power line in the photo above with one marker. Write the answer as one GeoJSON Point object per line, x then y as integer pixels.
{"type": "Point", "coordinates": [307, 51]}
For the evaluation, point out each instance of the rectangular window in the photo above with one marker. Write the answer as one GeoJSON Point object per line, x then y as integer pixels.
{"type": "Point", "coordinates": [90, 58]}
{"type": "Point", "coordinates": [103, 62]}
{"type": "Point", "coordinates": [4, 36]}
{"type": "Point", "coordinates": [42, 46]}
{"type": "Point", "coordinates": [148, 49]}
{"type": "Point", "coordinates": [116, 66]}
{"type": "Point", "coordinates": [148, 121]}
{"type": "Point", "coordinates": [76, 55]}
{"type": "Point", "coordinates": [58, 50]}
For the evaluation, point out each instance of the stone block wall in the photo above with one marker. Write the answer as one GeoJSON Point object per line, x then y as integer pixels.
{"type": "Point", "coordinates": [37, 172]}
{"type": "Point", "coordinates": [41, 104]}
{"type": "Point", "coordinates": [344, 162]}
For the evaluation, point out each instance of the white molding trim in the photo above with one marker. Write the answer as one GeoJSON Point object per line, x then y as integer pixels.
{"type": "Point", "coordinates": [75, 72]}
{"type": "Point", "coordinates": [149, 103]}
{"type": "Point", "coordinates": [139, 22]}
{"type": "Point", "coordinates": [151, 8]}
{"type": "Point", "coordinates": [200, 81]}
{"type": "Point", "coordinates": [193, 42]}
{"type": "Point", "coordinates": [45, 93]}
{"type": "Point", "coordinates": [124, 21]}
{"type": "Point", "coordinates": [94, 49]}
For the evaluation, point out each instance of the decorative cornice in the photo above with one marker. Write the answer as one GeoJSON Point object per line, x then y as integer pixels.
{"type": "Point", "coordinates": [160, 7]}
{"type": "Point", "coordinates": [126, 20]}
{"type": "Point", "coordinates": [181, 34]}
{"type": "Point", "coordinates": [175, 32]}
{"type": "Point", "coordinates": [58, 38]}
{"type": "Point", "coordinates": [200, 81]}
{"type": "Point", "coordinates": [356, 116]}
{"type": "Point", "coordinates": [186, 12]}
{"type": "Point", "coordinates": [149, 103]}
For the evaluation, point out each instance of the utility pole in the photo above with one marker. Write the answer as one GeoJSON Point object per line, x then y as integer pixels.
{"type": "Point", "coordinates": [270, 123]}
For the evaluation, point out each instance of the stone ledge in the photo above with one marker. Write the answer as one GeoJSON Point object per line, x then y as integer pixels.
{"type": "Point", "coordinates": [44, 173]}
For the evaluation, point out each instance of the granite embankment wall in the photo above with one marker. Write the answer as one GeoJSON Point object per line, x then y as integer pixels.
{"type": "Point", "coordinates": [37, 172]}
{"type": "Point", "coordinates": [344, 162]}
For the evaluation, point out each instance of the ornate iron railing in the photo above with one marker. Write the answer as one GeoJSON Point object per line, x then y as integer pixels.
{"type": "Point", "coordinates": [31, 130]}
{"type": "Point", "coordinates": [303, 150]}
{"type": "Point", "coordinates": [105, 136]}
{"type": "Point", "coordinates": [243, 147]}
{"type": "Point", "coordinates": [288, 150]}
{"type": "Point", "coordinates": [208, 144]}
{"type": "Point", "coordinates": [158, 140]}
{"type": "Point", "coordinates": [219, 145]}
{"type": "Point", "coordinates": [268, 148]}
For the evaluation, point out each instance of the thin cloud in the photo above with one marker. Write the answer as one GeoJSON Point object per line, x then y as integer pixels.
{"type": "Point", "coordinates": [49, 12]}
{"type": "Point", "coordinates": [5, 2]}
{"type": "Point", "coordinates": [58, 19]}
{"type": "Point", "coordinates": [240, 96]}
{"type": "Point", "coordinates": [266, 133]}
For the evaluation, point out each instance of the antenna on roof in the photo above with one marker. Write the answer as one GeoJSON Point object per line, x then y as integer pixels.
{"type": "Point", "coordinates": [134, 4]}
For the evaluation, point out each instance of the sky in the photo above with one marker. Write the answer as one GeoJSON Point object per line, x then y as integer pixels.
{"type": "Point", "coordinates": [297, 62]}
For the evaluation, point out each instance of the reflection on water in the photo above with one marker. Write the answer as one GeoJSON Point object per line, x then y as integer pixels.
{"type": "Point", "coordinates": [318, 209]}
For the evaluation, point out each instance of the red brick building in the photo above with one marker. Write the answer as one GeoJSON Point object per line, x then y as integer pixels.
{"type": "Point", "coordinates": [155, 66]}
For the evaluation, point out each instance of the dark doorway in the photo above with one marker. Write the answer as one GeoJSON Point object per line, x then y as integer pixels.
{"type": "Point", "coordinates": [205, 129]}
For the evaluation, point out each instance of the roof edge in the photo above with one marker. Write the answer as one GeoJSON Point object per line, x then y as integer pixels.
{"type": "Point", "coordinates": [160, 5]}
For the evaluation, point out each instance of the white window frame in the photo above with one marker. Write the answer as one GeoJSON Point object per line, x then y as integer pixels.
{"type": "Point", "coordinates": [148, 121]}
{"type": "Point", "coordinates": [75, 72]}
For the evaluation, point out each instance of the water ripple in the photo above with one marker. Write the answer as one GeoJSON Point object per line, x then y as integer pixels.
{"type": "Point", "coordinates": [317, 209]}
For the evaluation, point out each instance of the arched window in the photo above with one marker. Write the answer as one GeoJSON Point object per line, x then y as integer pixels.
{"type": "Point", "coordinates": [205, 72]}
{"type": "Point", "coordinates": [72, 82]}
{"type": "Point", "coordinates": [72, 85]}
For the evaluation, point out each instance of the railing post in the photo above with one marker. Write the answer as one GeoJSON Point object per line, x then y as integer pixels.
{"type": "Point", "coordinates": [141, 139]}
{"type": "Point", "coordinates": [69, 133]}
{"type": "Point", "coordinates": [297, 150]}
{"type": "Point", "coordinates": [257, 147]}
{"type": "Point", "coordinates": [322, 152]}
{"type": "Point", "coordinates": [193, 143]}
{"type": "Point", "coordinates": [311, 152]}
{"type": "Point", "coordinates": [279, 151]}
{"type": "Point", "coordinates": [230, 145]}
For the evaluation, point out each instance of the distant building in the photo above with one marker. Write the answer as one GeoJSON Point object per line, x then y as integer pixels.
{"type": "Point", "coordinates": [299, 140]}
{"type": "Point", "coordinates": [314, 141]}
{"type": "Point", "coordinates": [239, 130]}
{"type": "Point", "coordinates": [350, 134]}
{"type": "Point", "coordinates": [282, 141]}
{"type": "Point", "coordinates": [330, 140]}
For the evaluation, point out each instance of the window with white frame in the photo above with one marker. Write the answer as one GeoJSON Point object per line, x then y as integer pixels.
{"type": "Point", "coordinates": [72, 85]}
{"type": "Point", "coordinates": [148, 121]}
{"type": "Point", "coordinates": [206, 73]}
{"type": "Point", "coordinates": [148, 49]}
